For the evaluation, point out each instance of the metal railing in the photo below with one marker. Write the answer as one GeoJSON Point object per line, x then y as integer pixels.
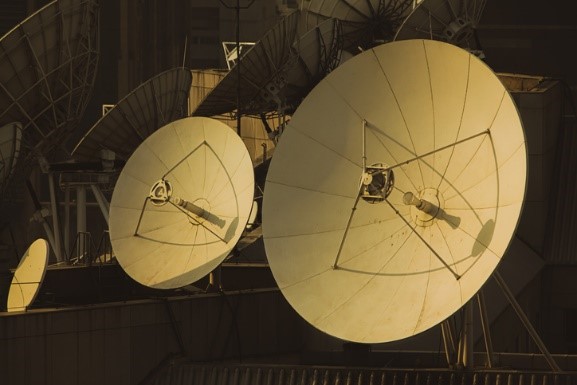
{"type": "Point", "coordinates": [193, 374]}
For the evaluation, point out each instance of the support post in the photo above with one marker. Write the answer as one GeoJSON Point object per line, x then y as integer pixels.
{"type": "Point", "coordinates": [465, 356]}
{"type": "Point", "coordinates": [80, 218]}
{"type": "Point", "coordinates": [102, 202]}
{"type": "Point", "coordinates": [67, 221]}
{"type": "Point", "coordinates": [55, 222]}
{"type": "Point", "coordinates": [448, 342]}
{"type": "Point", "coordinates": [485, 327]}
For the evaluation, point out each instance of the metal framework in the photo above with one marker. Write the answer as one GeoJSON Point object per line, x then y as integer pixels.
{"type": "Point", "coordinates": [47, 70]}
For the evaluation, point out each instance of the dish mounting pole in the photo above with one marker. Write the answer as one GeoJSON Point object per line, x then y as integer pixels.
{"type": "Point", "coordinates": [238, 74]}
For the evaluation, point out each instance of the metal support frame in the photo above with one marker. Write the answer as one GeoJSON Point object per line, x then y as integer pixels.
{"type": "Point", "coordinates": [55, 223]}
{"type": "Point", "coordinates": [80, 217]}
{"type": "Point", "coordinates": [465, 348]}
{"type": "Point", "coordinates": [526, 322]}
{"type": "Point", "coordinates": [485, 327]}
{"type": "Point", "coordinates": [465, 352]}
{"type": "Point", "coordinates": [448, 335]}
{"type": "Point", "coordinates": [67, 221]}
{"type": "Point", "coordinates": [102, 202]}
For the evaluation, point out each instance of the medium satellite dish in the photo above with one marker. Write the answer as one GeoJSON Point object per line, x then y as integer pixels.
{"type": "Point", "coordinates": [452, 21]}
{"type": "Point", "coordinates": [181, 203]}
{"type": "Point", "coordinates": [366, 23]}
{"type": "Point", "coordinates": [279, 70]}
{"type": "Point", "coordinates": [47, 71]}
{"type": "Point", "coordinates": [28, 276]}
{"type": "Point", "coordinates": [10, 137]}
{"type": "Point", "coordinates": [394, 191]}
{"type": "Point", "coordinates": [155, 103]}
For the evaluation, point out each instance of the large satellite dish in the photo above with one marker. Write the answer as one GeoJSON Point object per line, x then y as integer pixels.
{"type": "Point", "coordinates": [181, 202]}
{"type": "Point", "coordinates": [394, 191]}
{"type": "Point", "coordinates": [366, 23]}
{"type": "Point", "coordinates": [28, 276]}
{"type": "Point", "coordinates": [452, 21]}
{"type": "Point", "coordinates": [155, 103]}
{"type": "Point", "coordinates": [47, 70]}
{"type": "Point", "coordinates": [279, 70]}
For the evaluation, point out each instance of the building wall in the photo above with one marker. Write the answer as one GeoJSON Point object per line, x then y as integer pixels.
{"type": "Point", "coordinates": [123, 343]}
{"type": "Point", "coordinates": [531, 37]}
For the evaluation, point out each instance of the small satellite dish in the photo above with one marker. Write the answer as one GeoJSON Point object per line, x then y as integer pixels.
{"type": "Point", "coordinates": [28, 276]}
{"type": "Point", "coordinates": [47, 70]}
{"type": "Point", "coordinates": [155, 103]}
{"type": "Point", "coordinates": [279, 70]}
{"type": "Point", "coordinates": [394, 191]}
{"type": "Point", "coordinates": [181, 203]}
{"type": "Point", "coordinates": [366, 23]}
{"type": "Point", "coordinates": [451, 21]}
{"type": "Point", "coordinates": [10, 137]}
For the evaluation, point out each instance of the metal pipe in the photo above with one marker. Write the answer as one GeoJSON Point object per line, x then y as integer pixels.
{"type": "Point", "coordinates": [485, 327]}
{"type": "Point", "coordinates": [67, 221]}
{"type": "Point", "coordinates": [448, 342]}
{"type": "Point", "coordinates": [102, 202]}
{"type": "Point", "coordinates": [468, 357]}
{"type": "Point", "coordinates": [55, 222]}
{"type": "Point", "coordinates": [80, 217]}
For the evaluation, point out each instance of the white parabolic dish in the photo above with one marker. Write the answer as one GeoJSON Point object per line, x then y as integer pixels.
{"type": "Point", "coordinates": [28, 276]}
{"type": "Point", "coordinates": [446, 126]}
{"type": "Point", "coordinates": [182, 239]}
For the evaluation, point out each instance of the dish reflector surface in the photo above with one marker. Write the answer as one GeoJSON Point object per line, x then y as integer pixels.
{"type": "Point", "coordinates": [366, 23]}
{"type": "Point", "coordinates": [155, 103]}
{"type": "Point", "coordinates": [452, 21]}
{"type": "Point", "coordinates": [279, 70]}
{"type": "Point", "coordinates": [196, 216]}
{"type": "Point", "coordinates": [443, 123]}
{"type": "Point", "coordinates": [28, 276]}
{"type": "Point", "coordinates": [262, 72]}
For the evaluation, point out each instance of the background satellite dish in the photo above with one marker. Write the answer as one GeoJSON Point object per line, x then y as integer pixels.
{"type": "Point", "coordinates": [181, 203]}
{"type": "Point", "coordinates": [262, 72]}
{"type": "Point", "coordinates": [47, 70]}
{"type": "Point", "coordinates": [452, 21]}
{"type": "Point", "coordinates": [366, 23]}
{"type": "Point", "coordinates": [155, 103]}
{"type": "Point", "coordinates": [394, 191]}
{"type": "Point", "coordinates": [28, 276]}
{"type": "Point", "coordinates": [10, 137]}
{"type": "Point", "coordinates": [279, 70]}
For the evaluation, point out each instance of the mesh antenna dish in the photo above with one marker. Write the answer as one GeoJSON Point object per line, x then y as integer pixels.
{"type": "Point", "coordinates": [10, 137]}
{"type": "Point", "coordinates": [366, 23]}
{"type": "Point", "coordinates": [376, 261]}
{"type": "Point", "coordinates": [47, 70]}
{"type": "Point", "coordinates": [181, 203]}
{"type": "Point", "coordinates": [452, 21]}
{"type": "Point", "coordinates": [28, 276]}
{"type": "Point", "coordinates": [279, 70]}
{"type": "Point", "coordinates": [155, 103]}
